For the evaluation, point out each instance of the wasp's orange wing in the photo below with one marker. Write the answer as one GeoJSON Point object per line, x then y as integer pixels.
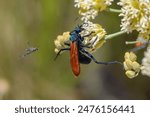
{"type": "Point", "coordinates": [74, 58]}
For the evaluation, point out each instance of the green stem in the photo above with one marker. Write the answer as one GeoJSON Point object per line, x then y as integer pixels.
{"type": "Point", "coordinates": [131, 42]}
{"type": "Point", "coordinates": [111, 36]}
{"type": "Point", "coordinates": [113, 10]}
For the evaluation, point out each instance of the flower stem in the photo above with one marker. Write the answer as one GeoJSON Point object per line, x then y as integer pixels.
{"type": "Point", "coordinates": [113, 10]}
{"type": "Point", "coordinates": [111, 36]}
{"type": "Point", "coordinates": [131, 42]}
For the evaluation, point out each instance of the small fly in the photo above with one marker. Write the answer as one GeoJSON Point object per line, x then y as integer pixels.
{"type": "Point", "coordinates": [29, 51]}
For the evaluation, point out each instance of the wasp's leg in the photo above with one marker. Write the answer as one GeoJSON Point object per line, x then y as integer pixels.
{"type": "Point", "coordinates": [99, 62]}
{"type": "Point", "coordinates": [85, 45]}
{"type": "Point", "coordinates": [89, 45]}
{"type": "Point", "coordinates": [68, 44]}
{"type": "Point", "coordinates": [87, 35]}
{"type": "Point", "coordinates": [61, 50]}
{"type": "Point", "coordinates": [82, 38]}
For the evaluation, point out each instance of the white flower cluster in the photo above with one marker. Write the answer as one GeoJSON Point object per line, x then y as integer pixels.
{"type": "Point", "coordinates": [146, 63]}
{"type": "Point", "coordinates": [89, 9]}
{"type": "Point", "coordinates": [60, 41]}
{"type": "Point", "coordinates": [136, 16]}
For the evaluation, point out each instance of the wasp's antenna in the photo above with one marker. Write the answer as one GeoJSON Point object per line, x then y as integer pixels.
{"type": "Point", "coordinates": [76, 19]}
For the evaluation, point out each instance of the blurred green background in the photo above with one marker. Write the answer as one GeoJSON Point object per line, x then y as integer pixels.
{"type": "Point", "coordinates": [38, 76]}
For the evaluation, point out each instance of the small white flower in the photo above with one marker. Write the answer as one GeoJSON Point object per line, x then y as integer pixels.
{"type": "Point", "coordinates": [90, 14]}
{"type": "Point", "coordinates": [146, 63]}
{"type": "Point", "coordinates": [108, 2]}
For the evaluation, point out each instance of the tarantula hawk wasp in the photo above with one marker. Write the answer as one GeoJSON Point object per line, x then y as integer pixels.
{"type": "Point", "coordinates": [78, 54]}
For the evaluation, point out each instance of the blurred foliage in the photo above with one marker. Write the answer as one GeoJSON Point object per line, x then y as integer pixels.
{"type": "Point", "coordinates": [38, 76]}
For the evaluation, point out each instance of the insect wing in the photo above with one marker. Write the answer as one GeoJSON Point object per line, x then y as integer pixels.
{"type": "Point", "coordinates": [74, 58]}
{"type": "Point", "coordinates": [83, 58]}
